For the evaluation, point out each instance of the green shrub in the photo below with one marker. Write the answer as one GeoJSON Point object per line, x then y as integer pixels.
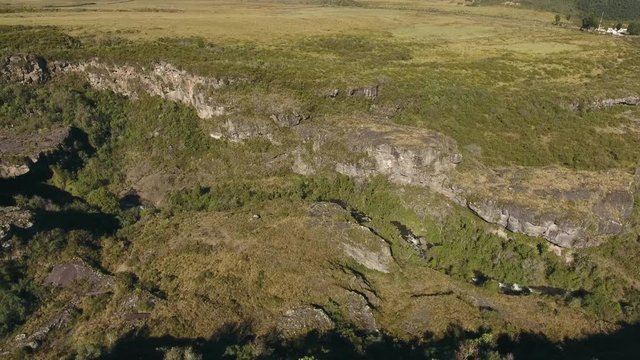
{"type": "Point", "coordinates": [12, 311]}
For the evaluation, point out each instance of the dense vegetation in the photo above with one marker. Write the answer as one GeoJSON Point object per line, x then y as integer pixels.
{"type": "Point", "coordinates": [608, 9]}
{"type": "Point", "coordinates": [611, 9]}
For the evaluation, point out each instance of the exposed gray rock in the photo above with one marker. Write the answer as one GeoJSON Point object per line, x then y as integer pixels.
{"type": "Point", "coordinates": [300, 166]}
{"type": "Point", "coordinates": [369, 92]}
{"type": "Point", "coordinates": [525, 221]}
{"type": "Point", "coordinates": [612, 211]}
{"type": "Point", "coordinates": [23, 69]}
{"type": "Point", "coordinates": [605, 103]}
{"type": "Point", "coordinates": [19, 151]}
{"type": "Point", "coordinates": [299, 321]}
{"type": "Point", "coordinates": [420, 157]}
{"type": "Point", "coordinates": [239, 130]}
{"type": "Point", "coordinates": [358, 242]}
{"type": "Point", "coordinates": [13, 217]}
{"type": "Point", "coordinates": [163, 80]}
{"type": "Point", "coordinates": [359, 312]}
{"type": "Point", "coordinates": [288, 119]}
{"type": "Point", "coordinates": [68, 275]}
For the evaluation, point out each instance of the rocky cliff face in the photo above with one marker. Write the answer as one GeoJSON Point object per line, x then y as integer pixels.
{"type": "Point", "coordinates": [569, 209]}
{"type": "Point", "coordinates": [163, 80]}
{"type": "Point", "coordinates": [416, 157]}
{"type": "Point", "coordinates": [536, 203]}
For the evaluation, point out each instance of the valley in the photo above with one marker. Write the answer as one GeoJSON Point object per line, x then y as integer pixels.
{"type": "Point", "coordinates": [317, 179]}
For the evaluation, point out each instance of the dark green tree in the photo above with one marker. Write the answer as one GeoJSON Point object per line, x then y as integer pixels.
{"type": "Point", "coordinates": [589, 22]}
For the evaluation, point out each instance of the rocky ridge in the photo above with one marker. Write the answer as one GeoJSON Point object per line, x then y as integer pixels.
{"type": "Point", "coordinates": [605, 103]}
{"type": "Point", "coordinates": [163, 80]}
{"type": "Point", "coordinates": [406, 156]}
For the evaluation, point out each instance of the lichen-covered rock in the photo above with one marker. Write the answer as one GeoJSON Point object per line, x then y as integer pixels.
{"type": "Point", "coordinates": [23, 69]}
{"type": "Point", "coordinates": [13, 217]}
{"type": "Point", "coordinates": [163, 80]}
{"type": "Point", "coordinates": [360, 313]}
{"type": "Point", "coordinates": [299, 321]}
{"type": "Point", "coordinates": [357, 242]}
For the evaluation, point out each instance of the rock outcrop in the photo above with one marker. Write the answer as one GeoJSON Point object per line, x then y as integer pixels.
{"type": "Point", "coordinates": [240, 130]}
{"type": "Point", "coordinates": [521, 220]}
{"type": "Point", "coordinates": [23, 69]}
{"type": "Point", "coordinates": [19, 151]}
{"type": "Point", "coordinates": [369, 92]}
{"type": "Point", "coordinates": [357, 242]}
{"type": "Point", "coordinates": [163, 80]}
{"type": "Point", "coordinates": [568, 208]}
{"type": "Point", "coordinates": [68, 275]}
{"type": "Point", "coordinates": [360, 312]}
{"type": "Point", "coordinates": [605, 103]}
{"type": "Point", "coordinates": [406, 156]}
{"type": "Point", "coordinates": [299, 321]}
{"type": "Point", "coordinates": [13, 217]}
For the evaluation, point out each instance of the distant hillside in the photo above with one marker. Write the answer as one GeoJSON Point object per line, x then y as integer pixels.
{"type": "Point", "coordinates": [612, 9]}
